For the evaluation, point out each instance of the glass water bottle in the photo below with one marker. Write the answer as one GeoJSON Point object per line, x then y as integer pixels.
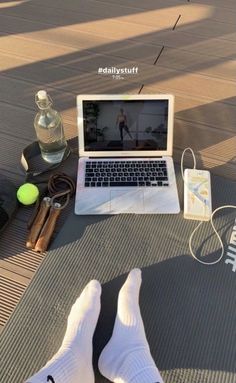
{"type": "Point", "coordinates": [49, 130]}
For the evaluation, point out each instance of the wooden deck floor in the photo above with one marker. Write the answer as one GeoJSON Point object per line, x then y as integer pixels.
{"type": "Point", "coordinates": [182, 47]}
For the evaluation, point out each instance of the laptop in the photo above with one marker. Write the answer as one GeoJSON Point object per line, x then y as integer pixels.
{"type": "Point", "coordinates": [125, 155]}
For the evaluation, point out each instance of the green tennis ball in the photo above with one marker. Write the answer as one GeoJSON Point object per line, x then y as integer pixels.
{"type": "Point", "coordinates": [27, 194]}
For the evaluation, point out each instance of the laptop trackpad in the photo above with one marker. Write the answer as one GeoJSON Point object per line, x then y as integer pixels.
{"type": "Point", "coordinates": [127, 201]}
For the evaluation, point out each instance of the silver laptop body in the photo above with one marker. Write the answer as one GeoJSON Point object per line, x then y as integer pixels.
{"type": "Point", "coordinates": [125, 149]}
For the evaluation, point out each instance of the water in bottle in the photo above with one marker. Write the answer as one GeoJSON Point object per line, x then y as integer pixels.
{"type": "Point", "coordinates": [49, 130]}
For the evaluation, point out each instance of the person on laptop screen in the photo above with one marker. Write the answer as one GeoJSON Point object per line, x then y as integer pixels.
{"type": "Point", "coordinates": [122, 121]}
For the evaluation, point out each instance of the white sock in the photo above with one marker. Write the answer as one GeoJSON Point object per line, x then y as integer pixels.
{"type": "Point", "coordinates": [126, 357]}
{"type": "Point", "coordinates": [73, 362]}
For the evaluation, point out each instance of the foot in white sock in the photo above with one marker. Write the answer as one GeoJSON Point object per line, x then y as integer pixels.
{"type": "Point", "coordinates": [73, 362]}
{"type": "Point", "coordinates": [126, 357]}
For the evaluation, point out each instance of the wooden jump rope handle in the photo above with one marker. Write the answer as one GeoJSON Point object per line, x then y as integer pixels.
{"type": "Point", "coordinates": [38, 223]}
{"type": "Point", "coordinates": [48, 228]}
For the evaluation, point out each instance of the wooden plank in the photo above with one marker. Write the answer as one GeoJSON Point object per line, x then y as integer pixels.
{"type": "Point", "coordinates": [209, 29]}
{"type": "Point", "coordinates": [17, 269]}
{"type": "Point", "coordinates": [15, 256]}
{"type": "Point", "coordinates": [226, 170]}
{"type": "Point", "coordinates": [228, 4]}
{"type": "Point", "coordinates": [194, 85]}
{"type": "Point", "coordinates": [123, 27]}
{"type": "Point", "coordinates": [92, 10]}
{"type": "Point", "coordinates": [215, 148]}
{"type": "Point", "coordinates": [104, 9]}
{"type": "Point", "coordinates": [198, 44]}
{"type": "Point", "coordinates": [16, 133]}
{"type": "Point", "coordinates": [216, 45]}
{"type": "Point", "coordinates": [199, 137]}
{"type": "Point", "coordinates": [193, 14]}
{"type": "Point", "coordinates": [215, 114]}
{"type": "Point", "coordinates": [196, 63]}
{"type": "Point", "coordinates": [190, 83]}
{"type": "Point", "coordinates": [160, 19]}
{"type": "Point", "coordinates": [45, 50]}
{"type": "Point", "coordinates": [70, 81]}
{"type": "Point", "coordinates": [67, 38]}
{"type": "Point", "coordinates": [10, 151]}
{"type": "Point", "coordinates": [224, 15]}
{"type": "Point", "coordinates": [68, 66]}
{"type": "Point", "coordinates": [40, 31]}
{"type": "Point", "coordinates": [66, 56]}
{"type": "Point", "coordinates": [14, 278]}
{"type": "Point", "coordinates": [109, 8]}
{"type": "Point", "coordinates": [202, 13]}
{"type": "Point", "coordinates": [12, 287]}
{"type": "Point", "coordinates": [150, 4]}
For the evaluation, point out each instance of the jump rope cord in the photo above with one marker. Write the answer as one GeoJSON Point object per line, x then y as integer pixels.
{"type": "Point", "coordinates": [211, 219]}
{"type": "Point", "coordinates": [61, 187]}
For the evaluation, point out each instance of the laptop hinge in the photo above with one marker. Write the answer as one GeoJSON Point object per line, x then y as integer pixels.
{"type": "Point", "coordinates": [108, 158]}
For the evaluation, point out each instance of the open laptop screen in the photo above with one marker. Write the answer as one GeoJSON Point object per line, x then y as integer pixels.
{"type": "Point", "coordinates": [111, 125]}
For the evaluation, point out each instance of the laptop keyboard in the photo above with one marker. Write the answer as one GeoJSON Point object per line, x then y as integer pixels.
{"type": "Point", "coordinates": [126, 173]}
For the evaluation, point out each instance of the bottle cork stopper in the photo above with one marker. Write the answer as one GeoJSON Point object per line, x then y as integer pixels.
{"type": "Point", "coordinates": [42, 95]}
